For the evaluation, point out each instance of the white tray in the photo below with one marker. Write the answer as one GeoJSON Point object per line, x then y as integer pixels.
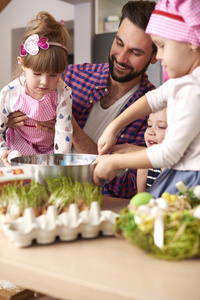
{"type": "Point", "coordinates": [67, 226]}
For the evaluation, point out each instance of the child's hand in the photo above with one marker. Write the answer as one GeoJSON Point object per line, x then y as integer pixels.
{"type": "Point", "coordinates": [104, 168]}
{"type": "Point", "coordinates": [4, 158]}
{"type": "Point", "coordinates": [106, 142]}
{"type": "Point", "coordinates": [126, 148]}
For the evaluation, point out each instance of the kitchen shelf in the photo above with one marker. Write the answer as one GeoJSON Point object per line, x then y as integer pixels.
{"type": "Point", "coordinates": [105, 8]}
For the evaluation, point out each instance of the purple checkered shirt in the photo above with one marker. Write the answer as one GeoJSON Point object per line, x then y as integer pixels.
{"type": "Point", "coordinates": [89, 83]}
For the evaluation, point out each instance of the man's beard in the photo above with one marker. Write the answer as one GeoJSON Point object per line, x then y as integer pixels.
{"type": "Point", "coordinates": [129, 76]}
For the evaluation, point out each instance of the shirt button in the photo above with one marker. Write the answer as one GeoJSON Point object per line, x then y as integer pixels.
{"type": "Point", "coordinates": [91, 101]}
{"type": "Point", "coordinates": [122, 136]}
{"type": "Point", "coordinates": [97, 87]}
{"type": "Point", "coordinates": [106, 90]}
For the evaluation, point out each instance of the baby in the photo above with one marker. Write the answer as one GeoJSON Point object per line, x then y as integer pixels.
{"type": "Point", "coordinates": [154, 134]}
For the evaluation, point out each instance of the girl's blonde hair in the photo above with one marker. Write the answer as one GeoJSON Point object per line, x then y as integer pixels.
{"type": "Point", "coordinates": [54, 59]}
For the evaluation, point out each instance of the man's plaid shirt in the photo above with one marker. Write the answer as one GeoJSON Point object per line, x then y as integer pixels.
{"type": "Point", "coordinates": [89, 83]}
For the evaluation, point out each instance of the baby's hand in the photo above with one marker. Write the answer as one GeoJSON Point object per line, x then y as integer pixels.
{"type": "Point", "coordinates": [4, 158]}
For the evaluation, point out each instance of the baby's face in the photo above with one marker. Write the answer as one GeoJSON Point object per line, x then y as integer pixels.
{"type": "Point", "coordinates": [155, 132]}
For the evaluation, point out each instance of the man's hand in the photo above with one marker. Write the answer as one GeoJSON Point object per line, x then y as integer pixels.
{"type": "Point", "coordinates": [47, 126]}
{"type": "Point", "coordinates": [16, 119]}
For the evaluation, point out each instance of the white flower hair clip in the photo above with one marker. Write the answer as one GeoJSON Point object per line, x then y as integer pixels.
{"type": "Point", "coordinates": [33, 43]}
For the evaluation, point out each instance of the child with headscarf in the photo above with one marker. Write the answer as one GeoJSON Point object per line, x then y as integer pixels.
{"type": "Point", "coordinates": [174, 27]}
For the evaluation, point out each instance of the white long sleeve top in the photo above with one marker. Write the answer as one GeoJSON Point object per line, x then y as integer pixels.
{"type": "Point", "coordinates": [28, 139]}
{"type": "Point", "coordinates": [180, 149]}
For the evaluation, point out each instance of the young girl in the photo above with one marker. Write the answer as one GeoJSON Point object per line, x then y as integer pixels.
{"type": "Point", "coordinates": [39, 92]}
{"type": "Point", "coordinates": [174, 27]}
{"type": "Point", "coordinates": [154, 134]}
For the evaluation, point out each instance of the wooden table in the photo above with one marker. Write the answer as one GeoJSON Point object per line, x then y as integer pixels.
{"type": "Point", "coordinates": [103, 268]}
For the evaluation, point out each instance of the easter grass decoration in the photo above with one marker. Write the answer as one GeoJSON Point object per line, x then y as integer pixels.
{"type": "Point", "coordinates": [14, 198]}
{"type": "Point", "coordinates": [60, 191]}
{"type": "Point", "coordinates": [67, 191]}
{"type": "Point", "coordinates": [181, 238]}
{"type": "Point", "coordinates": [31, 195]}
{"type": "Point", "coordinates": [181, 235]}
{"type": "Point", "coordinates": [181, 226]}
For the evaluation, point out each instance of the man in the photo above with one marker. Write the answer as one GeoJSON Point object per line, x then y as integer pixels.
{"type": "Point", "coordinates": [102, 91]}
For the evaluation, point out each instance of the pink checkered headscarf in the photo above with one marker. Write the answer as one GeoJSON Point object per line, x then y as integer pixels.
{"type": "Point", "coordinates": [177, 20]}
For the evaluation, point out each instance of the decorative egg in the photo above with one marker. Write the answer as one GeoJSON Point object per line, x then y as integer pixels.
{"type": "Point", "coordinates": [141, 198]}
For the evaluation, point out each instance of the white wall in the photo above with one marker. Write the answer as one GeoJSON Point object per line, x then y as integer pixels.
{"type": "Point", "coordinates": [16, 15]}
{"type": "Point", "coordinates": [83, 33]}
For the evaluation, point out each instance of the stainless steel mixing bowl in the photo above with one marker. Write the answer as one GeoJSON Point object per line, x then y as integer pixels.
{"type": "Point", "coordinates": [75, 166]}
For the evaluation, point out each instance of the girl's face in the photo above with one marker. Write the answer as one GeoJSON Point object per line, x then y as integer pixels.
{"type": "Point", "coordinates": [176, 57]}
{"type": "Point", "coordinates": [155, 132]}
{"type": "Point", "coordinates": [38, 84]}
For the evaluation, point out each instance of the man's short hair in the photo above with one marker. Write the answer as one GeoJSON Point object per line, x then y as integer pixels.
{"type": "Point", "coordinates": [138, 12]}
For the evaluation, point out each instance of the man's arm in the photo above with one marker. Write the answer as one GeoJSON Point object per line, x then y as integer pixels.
{"type": "Point", "coordinates": [81, 141]}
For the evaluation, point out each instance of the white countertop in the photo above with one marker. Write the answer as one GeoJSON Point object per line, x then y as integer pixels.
{"type": "Point", "coordinates": [102, 268]}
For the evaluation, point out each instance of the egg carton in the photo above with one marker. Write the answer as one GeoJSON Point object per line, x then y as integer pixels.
{"type": "Point", "coordinates": [67, 226]}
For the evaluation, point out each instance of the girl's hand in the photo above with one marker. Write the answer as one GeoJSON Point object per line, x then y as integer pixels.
{"type": "Point", "coordinates": [106, 142]}
{"type": "Point", "coordinates": [4, 158]}
{"type": "Point", "coordinates": [16, 119]}
{"type": "Point", "coordinates": [126, 148]}
{"type": "Point", "coordinates": [47, 126]}
{"type": "Point", "coordinates": [104, 168]}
